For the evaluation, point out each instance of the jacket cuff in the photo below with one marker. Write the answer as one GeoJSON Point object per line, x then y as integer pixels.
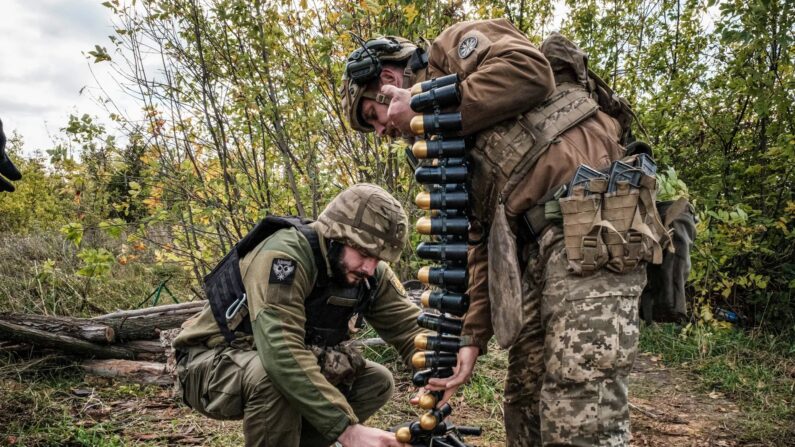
{"type": "Point", "coordinates": [336, 431]}
{"type": "Point", "coordinates": [474, 340]}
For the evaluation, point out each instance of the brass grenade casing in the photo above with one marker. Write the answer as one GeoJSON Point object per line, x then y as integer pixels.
{"type": "Point", "coordinates": [428, 401]}
{"type": "Point", "coordinates": [417, 125]}
{"type": "Point", "coordinates": [403, 434]}
{"type": "Point", "coordinates": [428, 421]}
{"type": "Point", "coordinates": [420, 342]}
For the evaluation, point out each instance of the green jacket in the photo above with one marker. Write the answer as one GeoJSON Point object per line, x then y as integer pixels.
{"type": "Point", "coordinates": [278, 319]}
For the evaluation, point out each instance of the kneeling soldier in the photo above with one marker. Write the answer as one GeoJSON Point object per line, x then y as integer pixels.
{"type": "Point", "coordinates": [286, 367]}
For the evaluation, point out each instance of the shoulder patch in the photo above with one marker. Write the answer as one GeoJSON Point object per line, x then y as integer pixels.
{"type": "Point", "coordinates": [398, 285]}
{"type": "Point", "coordinates": [282, 271]}
{"type": "Point", "coordinates": [467, 47]}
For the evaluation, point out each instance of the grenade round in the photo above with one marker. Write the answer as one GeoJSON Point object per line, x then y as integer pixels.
{"type": "Point", "coordinates": [440, 324]}
{"type": "Point", "coordinates": [448, 162]}
{"type": "Point", "coordinates": [441, 81]}
{"type": "Point", "coordinates": [429, 175]}
{"type": "Point", "coordinates": [433, 359]}
{"type": "Point", "coordinates": [428, 401]}
{"type": "Point", "coordinates": [443, 251]}
{"type": "Point", "coordinates": [439, 123]}
{"type": "Point", "coordinates": [421, 378]}
{"type": "Point", "coordinates": [414, 433]}
{"type": "Point", "coordinates": [437, 343]}
{"type": "Point", "coordinates": [447, 302]}
{"type": "Point", "coordinates": [443, 276]}
{"type": "Point", "coordinates": [431, 419]}
{"type": "Point", "coordinates": [441, 200]}
{"type": "Point", "coordinates": [436, 98]}
{"type": "Point", "coordinates": [443, 225]}
{"type": "Point", "coordinates": [439, 148]}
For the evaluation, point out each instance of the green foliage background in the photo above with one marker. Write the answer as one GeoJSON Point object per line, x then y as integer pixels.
{"type": "Point", "coordinates": [240, 118]}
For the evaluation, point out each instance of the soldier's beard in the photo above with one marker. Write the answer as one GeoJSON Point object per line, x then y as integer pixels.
{"type": "Point", "coordinates": [339, 272]}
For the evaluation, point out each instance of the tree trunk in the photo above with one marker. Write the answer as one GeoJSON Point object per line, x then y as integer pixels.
{"type": "Point", "coordinates": [83, 329]}
{"type": "Point", "coordinates": [140, 372]}
{"type": "Point", "coordinates": [65, 343]}
{"type": "Point", "coordinates": [146, 324]}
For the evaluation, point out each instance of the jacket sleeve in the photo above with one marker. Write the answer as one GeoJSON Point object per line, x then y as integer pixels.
{"type": "Point", "coordinates": [393, 316]}
{"type": "Point", "coordinates": [278, 317]}
{"type": "Point", "coordinates": [502, 73]}
{"type": "Point", "coordinates": [477, 322]}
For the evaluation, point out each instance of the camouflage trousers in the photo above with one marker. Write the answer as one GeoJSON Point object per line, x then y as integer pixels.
{"type": "Point", "coordinates": [567, 373]}
{"type": "Point", "coordinates": [230, 383]}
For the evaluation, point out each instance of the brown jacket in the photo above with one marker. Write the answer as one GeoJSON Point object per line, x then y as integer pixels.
{"type": "Point", "coordinates": [503, 77]}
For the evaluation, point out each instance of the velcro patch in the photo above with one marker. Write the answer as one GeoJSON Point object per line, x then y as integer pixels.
{"type": "Point", "coordinates": [282, 271]}
{"type": "Point", "coordinates": [467, 47]}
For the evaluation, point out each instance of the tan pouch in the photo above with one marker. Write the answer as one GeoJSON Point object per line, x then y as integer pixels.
{"type": "Point", "coordinates": [505, 281]}
{"type": "Point", "coordinates": [582, 232]}
{"type": "Point", "coordinates": [624, 246]}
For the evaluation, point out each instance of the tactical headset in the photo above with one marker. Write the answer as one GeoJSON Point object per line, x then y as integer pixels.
{"type": "Point", "coordinates": [363, 64]}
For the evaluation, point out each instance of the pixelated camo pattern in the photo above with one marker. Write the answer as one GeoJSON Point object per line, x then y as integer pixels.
{"type": "Point", "coordinates": [567, 374]}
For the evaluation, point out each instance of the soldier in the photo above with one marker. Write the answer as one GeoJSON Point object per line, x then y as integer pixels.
{"type": "Point", "coordinates": [7, 169]}
{"type": "Point", "coordinates": [571, 356]}
{"type": "Point", "coordinates": [291, 377]}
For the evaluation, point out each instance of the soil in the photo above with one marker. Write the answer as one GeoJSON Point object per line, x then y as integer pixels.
{"type": "Point", "coordinates": [665, 411]}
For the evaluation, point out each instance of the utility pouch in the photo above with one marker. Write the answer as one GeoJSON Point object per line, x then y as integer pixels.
{"type": "Point", "coordinates": [505, 281]}
{"type": "Point", "coordinates": [624, 245]}
{"type": "Point", "coordinates": [613, 222]}
{"type": "Point", "coordinates": [582, 215]}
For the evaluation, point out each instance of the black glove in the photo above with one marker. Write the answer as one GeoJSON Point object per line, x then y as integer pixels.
{"type": "Point", "coordinates": [7, 168]}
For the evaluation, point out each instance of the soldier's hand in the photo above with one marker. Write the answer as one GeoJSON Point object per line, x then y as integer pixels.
{"type": "Point", "coordinates": [7, 169]}
{"type": "Point", "coordinates": [467, 356]}
{"type": "Point", "coordinates": [358, 435]}
{"type": "Point", "coordinates": [399, 114]}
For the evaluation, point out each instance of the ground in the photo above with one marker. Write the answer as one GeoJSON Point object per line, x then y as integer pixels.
{"type": "Point", "coordinates": [89, 411]}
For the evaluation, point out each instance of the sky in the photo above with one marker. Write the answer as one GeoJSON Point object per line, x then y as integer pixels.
{"type": "Point", "coordinates": [42, 68]}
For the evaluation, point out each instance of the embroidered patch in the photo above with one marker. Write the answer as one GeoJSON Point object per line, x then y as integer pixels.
{"type": "Point", "coordinates": [467, 47]}
{"type": "Point", "coordinates": [398, 286]}
{"type": "Point", "coordinates": [282, 271]}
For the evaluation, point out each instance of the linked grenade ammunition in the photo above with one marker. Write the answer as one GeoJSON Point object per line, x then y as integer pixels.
{"type": "Point", "coordinates": [447, 277]}
{"type": "Point", "coordinates": [440, 324]}
{"type": "Point", "coordinates": [441, 81]}
{"type": "Point", "coordinates": [414, 432]}
{"type": "Point", "coordinates": [451, 303]}
{"type": "Point", "coordinates": [443, 251]}
{"type": "Point", "coordinates": [442, 200]}
{"type": "Point", "coordinates": [438, 175]}
{"type": "Point", "coordinates": [437, 343]}
{"type": "Point", "coordinates": [431, 419]}
{"type": "Point", "coordinates": [439, 148]}
{"type": "Point", "coordinates": [432, 359]}
{"type": "Point", "coordinates": [438, 123]}
{"type": "Point", "coordinates": [437, 98]}
{"type": "Point", "coordinates": [421, 378]}
{"type": "Point", "coordinates": [443, 225]}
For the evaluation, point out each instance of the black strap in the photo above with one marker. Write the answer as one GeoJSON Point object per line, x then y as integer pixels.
{"type": "Point", "coordinates": [320, 260]}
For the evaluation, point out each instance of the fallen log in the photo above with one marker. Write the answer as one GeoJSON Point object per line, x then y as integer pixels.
{"type": "Point", "coordinates": [149, 373]}
{"type": "Point", "coordinates": [74, 327]}
{"type": "Point", "coordinates": [146, 324]}
{"type": "Point", "coordinates": [64, 343]}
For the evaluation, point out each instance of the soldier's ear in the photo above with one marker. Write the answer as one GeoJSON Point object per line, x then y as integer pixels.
{"type": "Point", "coordinates": [391, 75]}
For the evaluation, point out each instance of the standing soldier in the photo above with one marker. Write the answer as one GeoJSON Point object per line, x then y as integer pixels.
{"type": "Point", "coordinates": [574, 344]}
{"type": "Point", "coordinates": [270, 347]}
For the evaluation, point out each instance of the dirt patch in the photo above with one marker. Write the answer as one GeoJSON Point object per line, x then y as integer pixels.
{"type": "Point", "coordinates": [666, 409]}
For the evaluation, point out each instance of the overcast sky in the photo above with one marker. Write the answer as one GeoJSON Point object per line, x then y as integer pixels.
{"type": "Point", "coordinates": [42, 68]}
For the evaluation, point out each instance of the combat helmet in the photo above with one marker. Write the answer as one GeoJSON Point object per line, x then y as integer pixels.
{"type": "Point", "coordinates": [366, 217]}
{"type": "Point", "coordinates": [364, 66]}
